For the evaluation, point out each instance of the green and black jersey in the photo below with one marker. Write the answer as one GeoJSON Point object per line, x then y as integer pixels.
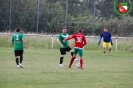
{"type": "Point", "coordinates": [17, 40]}
{"type": "Point", "coordinates": [61, 37]}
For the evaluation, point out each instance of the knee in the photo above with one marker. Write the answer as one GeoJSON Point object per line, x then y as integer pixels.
{"type": "Point", "coordinates": [62, 55]}
{"type": "Point", "coordinates": [104, 47]}
{"type": "Point", "coordinates": [109, 47]}
{"type": "Point", "coordinates": [71, 51]}
{"type": "Point", "coordinates": [17, 57]}
{"type": "Point", "coordinates": [74, 55]}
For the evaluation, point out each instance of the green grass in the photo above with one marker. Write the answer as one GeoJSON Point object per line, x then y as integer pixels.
{"type": "Point", "coordinates": [41, 70]}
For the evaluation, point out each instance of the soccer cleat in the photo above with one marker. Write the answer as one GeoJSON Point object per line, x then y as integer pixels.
{"type": "Point", "coordinates": [20, 65]}
{"type": "Point", "coordinates": [76, 59]}
{"type": "Point", "coordinates": [61, 65]}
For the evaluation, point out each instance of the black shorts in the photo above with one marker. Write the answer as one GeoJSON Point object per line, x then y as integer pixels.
{"type": "Point", "coordinates": [18, 52]}
{"type": "Point", "coordinates": [63, 50]}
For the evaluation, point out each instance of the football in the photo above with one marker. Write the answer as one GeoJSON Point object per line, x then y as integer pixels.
{"type": "Point", "coordinates": [78, 65]}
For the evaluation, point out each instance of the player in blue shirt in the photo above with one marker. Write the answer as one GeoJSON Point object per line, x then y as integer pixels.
{"type": "Point", "coordinates": [107, 40]}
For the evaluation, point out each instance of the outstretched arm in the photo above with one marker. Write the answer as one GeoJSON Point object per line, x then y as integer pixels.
{"type": "Point", "coordinates": [68, 38]}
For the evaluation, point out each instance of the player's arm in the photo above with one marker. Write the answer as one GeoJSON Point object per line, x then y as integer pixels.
{"type": "Point", "coordinates": [12, 39]}
{"type": "Point", "coordinates": [58, 41]}
{"type": "Point", "coordinates": [111, 39]}
{"type": "Point", "coordinates": [100, 39]}
{"type": "Point", "coordinates": [24, 42]}
{"type": "Point", "coordinates": [85, 41]}
{"type": "Point", "coordinates": [68, 38]}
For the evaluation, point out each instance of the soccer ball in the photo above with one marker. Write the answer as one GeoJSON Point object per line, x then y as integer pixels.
{"type": "Point", "coordinates": [78, 65]}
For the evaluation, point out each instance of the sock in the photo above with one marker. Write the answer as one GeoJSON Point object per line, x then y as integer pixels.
{"type": "Point", "coordinates": [17, 61]}
{"type": "Point", "coordinates": [21, 59]}
{"type": "Point", "coordinates": [81, 62]}
{"type": "Point", "coordinates": [72, 54]}
{"type": "Point", "coordinates": [61, 60]}
{"type": "Point", "coordinates": [71, 61]}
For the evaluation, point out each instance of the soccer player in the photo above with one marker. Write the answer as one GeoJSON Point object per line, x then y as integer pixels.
{"type": "Point", "coordinates": [64, 46]}
{"type": "Point", "coordinates": [107, 40]}
{"type": "Point", "coordinates": [18, 41]}
{"type": "Point", "coordinates": [80, 42]}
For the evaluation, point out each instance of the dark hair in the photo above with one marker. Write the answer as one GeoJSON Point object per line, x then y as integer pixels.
{"type": "Point", "coordinates": [64, 28]}
{"type": "Point", "coordinates": [80, 30]}
{"type": "Point", "coordinates": [18, 29]}
{"type": "Point", "coordinates": [105, 27]}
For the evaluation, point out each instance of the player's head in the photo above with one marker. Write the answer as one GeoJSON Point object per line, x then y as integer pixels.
{"type": "Point", "coordinates": [105, 29]}
{"type": "Point", "coordinates": [80, 30]}
{"type": "Point", "coordinates": [64, 30]}
{"type": "Point", "coordinates": [18, 29]}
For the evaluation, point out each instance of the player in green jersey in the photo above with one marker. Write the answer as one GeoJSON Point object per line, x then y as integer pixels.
{"type": "Point", "coordinates": [18, 41]}
{"type": "Point", "coordinates": [64, 46]}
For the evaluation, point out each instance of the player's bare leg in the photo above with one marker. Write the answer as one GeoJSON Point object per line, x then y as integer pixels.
{"type": "Point", "coordinates": [61, 60]}
{"type": "Point", "coordinates": [71, 51]}
{"type": "Point", "coordinates": [104, 50]}
{"type": "Point", "coordinates": [71, 61]}
{"type": "Point", "coordinates": [109, 50]}
{"type": "Point", "coordinates": [75, 59]}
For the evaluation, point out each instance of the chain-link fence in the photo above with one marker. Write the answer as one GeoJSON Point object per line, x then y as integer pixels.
{"type": "Point", "coordinates": [49, 16]}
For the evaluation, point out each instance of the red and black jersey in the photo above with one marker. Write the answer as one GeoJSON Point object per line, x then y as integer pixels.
{"type": "Point", "coordinates": [80, 40]}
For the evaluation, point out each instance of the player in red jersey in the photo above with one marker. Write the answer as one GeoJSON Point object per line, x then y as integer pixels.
{"type": "Point", "coordinates": [80, 41]}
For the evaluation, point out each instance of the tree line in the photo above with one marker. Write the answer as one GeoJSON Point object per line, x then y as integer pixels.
{"type": "Point", "coordinates": [52, 15]}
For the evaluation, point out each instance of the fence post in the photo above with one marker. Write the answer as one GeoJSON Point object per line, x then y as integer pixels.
{"type": "Point", "coordinates": [10, 16]}
{"type": "Point", "coordinates": [52, 42]}
{"type": "Point", "coordinates": [94, 13]}
{"type": "Point", "coordinates": [66, 13]}
{"type": "Point", "coordinates": [116, 41]}
{"type": "Point", "coordinates": [38, 7]}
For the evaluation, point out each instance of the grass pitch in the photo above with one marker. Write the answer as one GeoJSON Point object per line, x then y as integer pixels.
{"type": "Point", "coordinates": [41, 70]}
